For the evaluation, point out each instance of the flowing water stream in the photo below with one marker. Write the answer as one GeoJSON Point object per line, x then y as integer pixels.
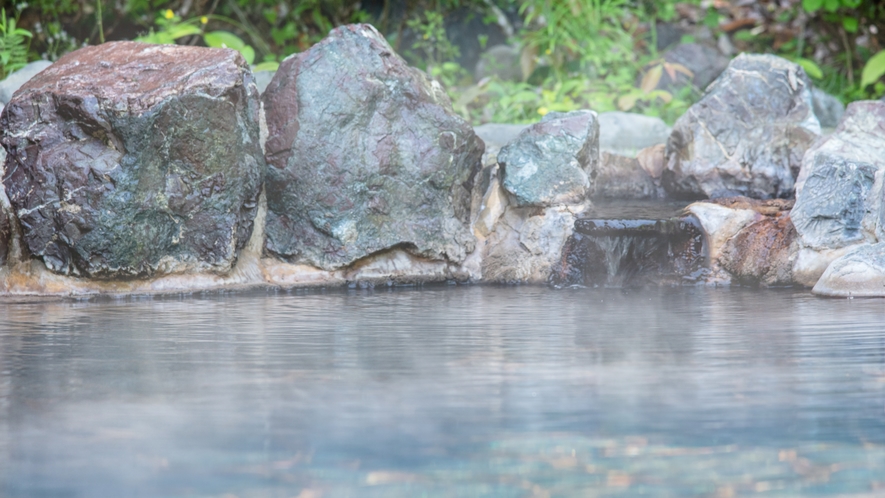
{"type": "Point", "coordinates": [445, 391]}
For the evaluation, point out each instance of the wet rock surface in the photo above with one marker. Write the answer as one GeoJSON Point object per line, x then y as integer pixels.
{"type": "Point", "coordinates": [838, 198]}
{"type": "Point", "coordinates": [631, 252]}
{"type": "Point", "coordinates": [762, 253]}
{"type": "Point", "coordinates": [746, 136]}
{"type": "Point", "coordinates": [131, 160]}
{"type": "Point", "coordinates": [527, 242]}
{"type": "Point", "coordinates": [860, 272]}
{"type": "Point", "coordinates": [554, 161]}
{"type": "Point", "coordinates": [749, 241]}
{"type": "Point", "coordinates": [364, 154]}
{"type": "Point", "coordinates": [839, 191]}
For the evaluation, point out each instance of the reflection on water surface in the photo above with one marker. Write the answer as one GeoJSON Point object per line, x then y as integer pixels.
{"type": "Point", "coordinates": [445, 391]}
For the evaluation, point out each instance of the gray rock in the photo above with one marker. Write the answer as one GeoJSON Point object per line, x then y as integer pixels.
{"type": "Point", "coordinates": [827, 108]}
{"type": "Point", "coordinates": [858, 273]}
{"type": "Point", "coordinates": [838, 192]}
{"type": "Point", "coordinates": [4, 216]}
{"type": "Point", "coordinates": [553, 162]}
{"type": "Point", "coordinates": [706, 64]}
{"type": "Point", "coordinates": [500, 61]}
{"type": "Point", "coordinates": [365, 154]}
{"type": "Point", "coordinates": [668, 34]}
{"type": "Point", "coordinates": [839, 189]}
{"type": "Point", "coordinates": [527, 243]}
{"type": "Point", "coordinates": [747, 134]}
{"type": "Point", "coordinates": [262, 79]}
{"type": "Point", "coordinates": [495, 136]}
{"type": "Point", "coordinates": [622, 177]}
{"type": "Point", "coordinates": [626, 133]}
{"type": "Point", "coordinates": [133, 160]}
{"type": "Point", "coordinates": [15, 80]}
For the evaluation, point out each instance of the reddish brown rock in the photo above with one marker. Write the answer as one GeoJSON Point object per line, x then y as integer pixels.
{"type": "Point", "coordinates": [130, 160]}
{"type": "Point", "coordinates": [761, 253]}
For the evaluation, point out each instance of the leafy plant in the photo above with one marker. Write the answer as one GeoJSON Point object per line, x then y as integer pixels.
{"type": "Point", "coordinates": [14, 42]}
{"type": "Point", "coordinates": [873, 70]}
{"type": "Point", "coordinates": [172, 28]}
{"type": "Point", "coordinates": [432, 45]}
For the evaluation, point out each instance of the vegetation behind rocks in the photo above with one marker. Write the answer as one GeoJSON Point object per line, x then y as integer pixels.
{"type": "Point", "coordinates": [500, 60]}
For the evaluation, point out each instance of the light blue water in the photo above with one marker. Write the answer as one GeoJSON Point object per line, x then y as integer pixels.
{"type": "Point", "coordinates": [445, 391]}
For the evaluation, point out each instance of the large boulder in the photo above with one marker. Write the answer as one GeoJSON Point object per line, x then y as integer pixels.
{"type": "Point", "coordinates": [365, 154]}
{"type": "Point", "coordinates": [747, 134]}
{"type": "Point", "coordinates": [15, 80]}
{"type": "Point", "coordinates": [553, 162]}
{"type": "Point", "coordinates": [130, 160]}
{"type": "Point", "coordinates": [839, 192]}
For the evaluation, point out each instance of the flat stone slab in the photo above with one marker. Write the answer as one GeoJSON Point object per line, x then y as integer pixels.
{"type": "Point", "coordinates": [132, 160]}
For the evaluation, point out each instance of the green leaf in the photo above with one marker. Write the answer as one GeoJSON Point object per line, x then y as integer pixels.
{"type": "Point", "coordinates": [812, 5]}
{"type": "Point", "coordinates": [852, 4]}
{"type": "Point", "coordinates": [831, 5]}
{"type": "Point", "coordinates": [248, 54]}
{"type": "Point", "coordinates": [850, 24]}
{"type": "Point", "coordinates": [177, 31]}
{"type": "Point", "coordinates": [873, 70]}
{"type": "Point", "coordinates": [223, 39]}
{"type": "Point", "coordinates": [266, 66]}
{"type": "Point", "coordinates": [811, 69]}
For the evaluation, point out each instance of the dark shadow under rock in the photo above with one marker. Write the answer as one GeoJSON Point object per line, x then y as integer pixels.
{"type": "Point", "coordinates": [630, 253]}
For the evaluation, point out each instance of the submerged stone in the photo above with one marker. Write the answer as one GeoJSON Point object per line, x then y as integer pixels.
{"type": "Point", "coordinates": [130, 160]}
{"type": "Point", "coordinates": [747, 134]}
{"type": "Point", "coordinates": [553, 162]}
{"type": "Point", "coordinates": [631, 252]}
{"type": "Point", "coordinates": [365, 154]}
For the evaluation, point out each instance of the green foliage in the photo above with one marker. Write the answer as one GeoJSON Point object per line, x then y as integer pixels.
{"type": "Point", "coordinates": [432, 45]}
{"type": "Point", "coordinates": [13, 45]}
{"type": "Point", "coordinates": [171, 28]}
{"type": "Point", "coordinates": [873, 70]}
